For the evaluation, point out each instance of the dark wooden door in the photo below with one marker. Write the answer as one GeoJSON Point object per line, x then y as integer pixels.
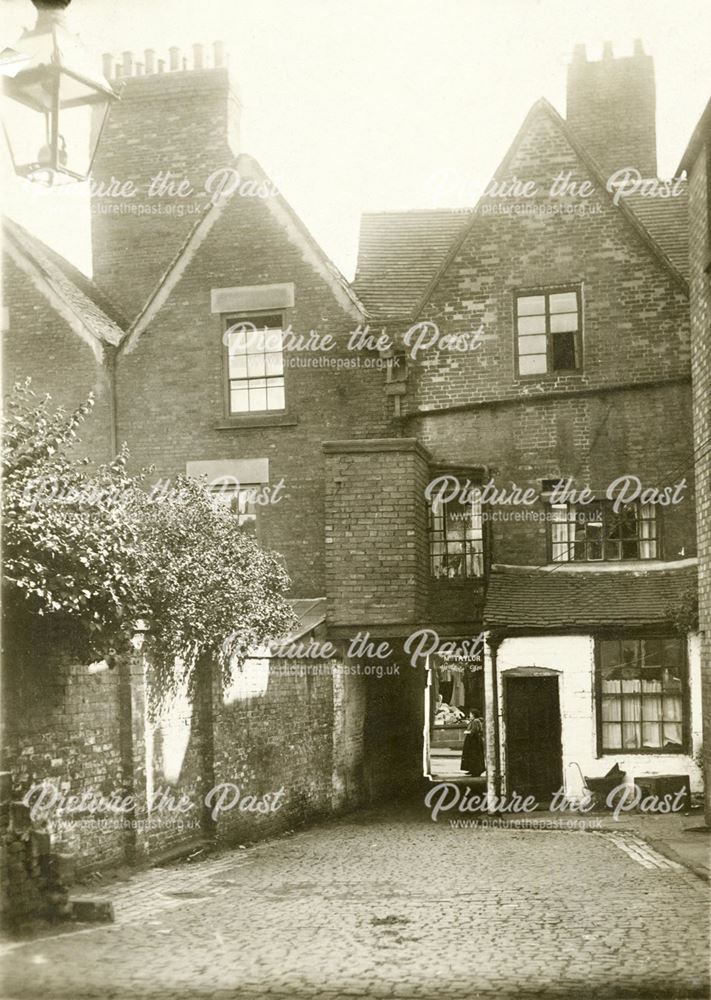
{"type": "Point", "coordinates": [534, 758]}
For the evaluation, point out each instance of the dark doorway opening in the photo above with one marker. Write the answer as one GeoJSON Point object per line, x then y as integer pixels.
{"type": "Point", "coordinates": [534, 755]}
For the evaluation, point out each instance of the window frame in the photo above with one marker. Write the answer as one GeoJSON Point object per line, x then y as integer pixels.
{"type": "Point", "coordinates": [228, 320]}
{"type": "Point", "coordinates": [430, 515]}
{"type": "Point", "coordinates": [547, 291]}
{"type": "Point", "coordinates": [617, 635]}
{"type": "Point", "coordinates": [607, 505]}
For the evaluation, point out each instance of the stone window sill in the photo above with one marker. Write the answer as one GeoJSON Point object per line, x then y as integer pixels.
{"type": "Point", "coordinates": [257, 420]}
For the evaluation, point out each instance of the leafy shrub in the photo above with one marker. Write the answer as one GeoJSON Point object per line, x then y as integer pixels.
{"type": "Point", "coordinates": [91, 551]}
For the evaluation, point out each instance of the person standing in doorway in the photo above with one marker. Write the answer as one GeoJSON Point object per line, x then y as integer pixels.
{"type": "Point", "coordinates": [473, 761]}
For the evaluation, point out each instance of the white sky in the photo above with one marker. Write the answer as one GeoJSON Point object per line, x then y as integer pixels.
{"type": "Point", "coordinates": [354, 105]}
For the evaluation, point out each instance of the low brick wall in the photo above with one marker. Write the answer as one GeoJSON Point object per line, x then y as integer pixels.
{"type": "Point", "coordinates": [65, 726]}
{"type": "Point", "coordinates": [284, 743]}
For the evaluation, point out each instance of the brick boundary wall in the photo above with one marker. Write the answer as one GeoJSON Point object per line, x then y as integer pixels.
{"type": "Point", "coordinates": [311, 738]}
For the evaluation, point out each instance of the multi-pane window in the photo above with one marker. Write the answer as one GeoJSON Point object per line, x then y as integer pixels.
{"type": "Point", "coordinates": [456, 539]}
{"type": "Point", "coordinates": [548, 332]}
{"type": "Point", "coordinates": [255, 364]}
{"type": "Point", "coordinates": [240, 498]}
{"type": "Point", "coordinates": [597, 533]}
{"type": "Point", "coordinates": [641, 694]}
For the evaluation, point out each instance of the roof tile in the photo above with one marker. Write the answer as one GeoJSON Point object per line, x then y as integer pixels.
{"type": "Point", "coordinates": [551, 597]}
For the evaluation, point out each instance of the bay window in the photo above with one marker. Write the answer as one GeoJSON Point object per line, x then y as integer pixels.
{"type": "Point", "coordinates": [456, 539]}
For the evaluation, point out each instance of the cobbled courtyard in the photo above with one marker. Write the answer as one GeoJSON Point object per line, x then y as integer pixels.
{"type": "Point", "coordinates": [387, 903]}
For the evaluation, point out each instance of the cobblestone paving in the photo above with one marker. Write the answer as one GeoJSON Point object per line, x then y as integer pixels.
{"type": "Point", "coordinates": [389, 904]}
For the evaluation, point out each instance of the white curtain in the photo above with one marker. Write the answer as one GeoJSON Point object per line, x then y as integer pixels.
{"type": "Point", "coordinates": [562, 532]}
{"type": "Point", "coordinates": [647, 532]}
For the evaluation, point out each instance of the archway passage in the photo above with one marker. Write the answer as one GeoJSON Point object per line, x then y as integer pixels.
{"type": "Point", "coordinates": [452, 697]}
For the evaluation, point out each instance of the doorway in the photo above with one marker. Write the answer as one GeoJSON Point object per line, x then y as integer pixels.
{"type": "Point", "coordinates": [534, 754]}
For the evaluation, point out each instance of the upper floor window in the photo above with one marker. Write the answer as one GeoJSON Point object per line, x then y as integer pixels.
{"type": "Point", "coordinates": [456, 539]}
{"type": "Point", "coordinates": [595, 532]}
{"type": "Point", "coordinates": [642, 705]}
{"type": "Point", "coordinates": [254, 363]}
{"type": "Point", "coordinates": [548, 331]}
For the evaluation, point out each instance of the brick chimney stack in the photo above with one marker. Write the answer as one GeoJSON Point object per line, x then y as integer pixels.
{"type": "Point", "coordinates": [171, 120]}
{"type": "Point", "coordinates": [611, 108]}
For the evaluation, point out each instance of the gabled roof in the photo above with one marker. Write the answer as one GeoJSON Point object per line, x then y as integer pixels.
{"type": "Point", "coordinates": [399, 253]}
{"type": "Point", "coordinates": [81, 303]}
{"type": "Point", "coordinates": [541, 598]}
{"type": "Point", "coordinates": [247, 168]}
{"type": "Point", "coordinates": [391, 248]}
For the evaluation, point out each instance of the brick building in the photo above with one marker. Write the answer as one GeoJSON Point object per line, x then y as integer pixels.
{"type": "Point", "coordinates": [567, 363]}
{"type": "Point", "coordinates": [60, 330]}
{"type": "Point", "coordinates": [575, 307]}
{"type": "Point", "coordinates": [185, 369]}
{"type": "Point", "coordinates": [697, 164]}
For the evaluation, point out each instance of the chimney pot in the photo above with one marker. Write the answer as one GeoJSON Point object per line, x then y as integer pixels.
{"type": "Point", "coordinates": [638, 47]}
{"type": "Point", "coordinates": [128, 63]}
{"type": "Point", "coordinates": [607, 51]}
{"type": "Point", "coordinates": [198, 56]}
{"type": "Point", "coordinates": [579, 54]}
{"type": "Point", "coordinates": [161, 65]}
{"type": "Point", "coordinates": [150, 60]}
{"type": "Point", "coordinates": [108, 65]}
{"type": "Point", "coordinates": [174, 53]}
{"type": "Point", "coordinates": [219, 48]}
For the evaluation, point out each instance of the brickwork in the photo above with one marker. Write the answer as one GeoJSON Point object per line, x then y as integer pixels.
{"type": "Point", "coordinates": [611, 108]}
{"type": "Point", "coordinates": [185, 123]}
{"type": "Point", "coordinates": [39, 343]}
{"type": "Point", "coordinates": [591, 439]}
{"type": "Point", "coordinates": [700, 254]}
{"type": "Point", "coordinates": [635, 312]}
{"type": "Point", "coordinates": [64, 725]}
{"type": "Point", "coordinates": [282, 738]}
{"type": "Point", "coordinates": [329, 735]}
{"type": "Point", "coordinates": [376, 533]}
{"type": "Point", "coordinates": [610, 419]}
{"type": "Point", "coordinates": [171, 391]}
{"type": "Point", "coordinates": [30, 874]}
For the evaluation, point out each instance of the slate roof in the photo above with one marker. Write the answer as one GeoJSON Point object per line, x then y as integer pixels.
{"type": "Point", "coordinates": [88, 303]}
{"type": "Point", "coordinates": [399, 253]}
{"type": "Point", "coordinates": [553, 597]}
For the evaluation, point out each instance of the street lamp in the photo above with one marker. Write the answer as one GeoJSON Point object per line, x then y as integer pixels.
{"type": "Point", "coordinates": [58, 100]}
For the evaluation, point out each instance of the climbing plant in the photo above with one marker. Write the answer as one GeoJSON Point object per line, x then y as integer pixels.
{"type": "Point", "coordinates": [92, 551]}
